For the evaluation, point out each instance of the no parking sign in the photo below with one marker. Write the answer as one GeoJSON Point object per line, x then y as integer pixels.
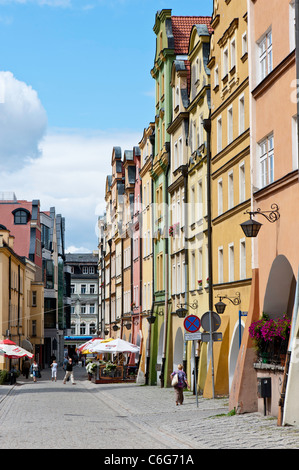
{"type": "Point", "coordinates": [192, 323]}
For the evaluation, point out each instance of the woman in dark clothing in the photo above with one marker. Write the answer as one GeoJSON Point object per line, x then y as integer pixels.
{"type": "Point", "coordinates": [182, 383]}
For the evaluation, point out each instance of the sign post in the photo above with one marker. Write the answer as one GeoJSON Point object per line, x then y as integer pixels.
{"type": "Point", "coordinates": [192, 324]}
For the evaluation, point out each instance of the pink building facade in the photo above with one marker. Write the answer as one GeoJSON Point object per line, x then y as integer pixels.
{"type": "Point", "coordinates": [274, 164]}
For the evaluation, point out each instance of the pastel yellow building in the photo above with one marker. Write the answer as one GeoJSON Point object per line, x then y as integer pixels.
{"type": "Point", "coordinates": [146, 146]}
{"type": "Point", "coordinates": [199, 110]}
{"type": "Point", "coordinates": [230, 150]}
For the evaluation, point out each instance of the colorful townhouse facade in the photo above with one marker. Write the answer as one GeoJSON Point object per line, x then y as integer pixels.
{"type": "Point", "coordinates": [199, 111]}
{"type": "Point", "coordinates": [230, 181]}
{"type": "Point", "coordinates": [237, 75]}
{"type": "Point", "coordinates": [146, 146]}
{"type": "Point", "coordinates": [274, 163]}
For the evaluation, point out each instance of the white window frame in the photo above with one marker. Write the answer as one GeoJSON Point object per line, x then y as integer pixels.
{"type": "Point", "coordinates": [230, 125]}
{"type": "Point", "coordinates": [265, 54]}
{"type": "Point", "coordinates": [220, 196]}
{"type": "Point", "coordinates": [220, 264]}
{"type": "Point", "coordinates": [230, 189]}
{"type": "Point", "coordinates": [241, 114]}
{"type": "Point", "coordinates": [225, 61]}
{"type": "Point", "coordinates": [233, 49]}
{"type": "Point", "coordinates": [231, 262]}
{"type": "Point", "coordinates": [242, 182]}
{"type": "Point", "coordinates": [219, 134]}
{"type": "Point", "coordinates": [243, 258]}
{"type": "Point", "coordinates": [266, 160]}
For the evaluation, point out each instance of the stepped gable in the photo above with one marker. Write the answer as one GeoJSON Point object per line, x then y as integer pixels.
{"type": "Point", "coordinates": [181, 29]}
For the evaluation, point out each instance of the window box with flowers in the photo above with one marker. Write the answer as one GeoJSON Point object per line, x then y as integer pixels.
{"type": "Point", "coordinates": [271, 338]}
{"type": "Point", "coordinates": [199, 283]}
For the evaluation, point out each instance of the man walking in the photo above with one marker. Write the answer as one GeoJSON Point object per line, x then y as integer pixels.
{"type": "Point", "coordinates": [69, 372]}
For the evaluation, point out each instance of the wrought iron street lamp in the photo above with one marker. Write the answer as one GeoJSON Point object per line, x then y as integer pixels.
{"type": "Point", "coordinates": [152, 318]}
{"type": "Point", "coordinates": [251, 227]}
{"type": "Point", "coordinates": [220, 306]}
{"type": "Point", "coordinates": [182, 311]}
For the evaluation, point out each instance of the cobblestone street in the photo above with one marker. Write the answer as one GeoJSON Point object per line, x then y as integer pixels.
{"type": "Point", "coordinates": [49, 415]}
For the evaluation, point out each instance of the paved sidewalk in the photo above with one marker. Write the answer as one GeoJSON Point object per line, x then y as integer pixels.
{"type": "Point", "coordinates": [126, 416]}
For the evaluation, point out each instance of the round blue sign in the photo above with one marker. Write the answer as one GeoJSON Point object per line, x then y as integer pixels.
{"type": "Point", "coordinates": [192, 323]}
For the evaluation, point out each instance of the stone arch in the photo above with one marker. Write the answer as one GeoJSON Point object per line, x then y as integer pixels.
{"type": "Point", "coordinates": [280, 290]}
{"type": "Point", "coordinates": [178, 352]}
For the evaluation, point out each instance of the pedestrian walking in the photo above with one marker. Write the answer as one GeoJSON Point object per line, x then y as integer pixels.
{"type": "Point", "coordinates": [26, 367]}
{"type": "Point", "coordinates": [69, 372]}
{"type": "Point", "coordinates": [180, 385]}
{"type": "Point", "coordinates": [34, 371]}
{"type": "Point", "coordinates": [54, 367]}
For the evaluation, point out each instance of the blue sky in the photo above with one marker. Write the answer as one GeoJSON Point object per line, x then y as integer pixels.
{"type": "Point", "coordinates": [82, 68]}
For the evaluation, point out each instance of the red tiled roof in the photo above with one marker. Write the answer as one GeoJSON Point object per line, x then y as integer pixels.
{"type": "Point", "coordinates": [181, 29]}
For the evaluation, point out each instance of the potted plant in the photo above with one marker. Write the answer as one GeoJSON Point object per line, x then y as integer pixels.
{"type": "Point", "coordinates": [170, 231]}
{"type": "Point", "coordinates": [270, 337]}
{"type": "Point", "coordinates": [199, 284]}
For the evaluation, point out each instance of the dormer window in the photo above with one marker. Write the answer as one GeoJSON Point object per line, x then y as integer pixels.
{"type": "Point", "coordinates": [21, 216]}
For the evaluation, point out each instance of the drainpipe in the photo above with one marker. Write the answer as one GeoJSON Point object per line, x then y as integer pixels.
{"type": "Point", "coordinates": [166, 268]}
{"type": "Point", "coordinates": [110, 246]}
{"type": "Point", "coordinates": [207, 127]}
{"type": "Point", "coordinates": [185, 174]}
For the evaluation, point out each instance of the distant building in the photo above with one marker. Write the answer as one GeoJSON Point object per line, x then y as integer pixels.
{"type": "Point", "coordinates": [84, 298]}
{"type": "Point", "coordinates": [39, 237]}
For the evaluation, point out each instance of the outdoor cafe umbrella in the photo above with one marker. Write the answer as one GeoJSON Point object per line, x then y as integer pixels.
{"type": "Point", "coordinates": [84, 348]}
{"type": "Point", "coordinates": [11, 350]}
{"type": "Point", "coordinates": [114, 346]}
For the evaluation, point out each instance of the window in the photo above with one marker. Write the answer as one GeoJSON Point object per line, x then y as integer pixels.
{"type": "Point", "coordinates": [292, 24]}
{"type": "Point", "coordinates": [265, 55]}
{"type": "Point", "coordinates": [266, 148]}
{"type": "Point", "coordinates": [175, 155]}
{"type": "Point", "coordinates": [242, 259]}
{"type": "Point", "coordinates": [233, 54]}
{"type": "Point", "coordinates": [92, 308]}
{"type": "Point", "coordinates": [177, 96]}
{"type": "Point", "coordinates": [180, 151]}
{"type": "Point", "coordinates": [83, 308]}
{"type": "Point", "coordinates": [225, 62]}
{"type": "Point", "coordinates": [34, 298]}
{"type": "Point", "coordinates": [231, 262]}
{"type": "Point", "coordinates": [83, 288]}
{"type": "Point", "coordinates": [82, 328]}
{"type": "Point", "coordinates": [91, 269]}
{"type": "Point", "coordinates": [241, 114]}
{"type": "Point", "coordinates": [21, 216]}
{"type": "Point", "coordinates": [230, 190]}
{"type": "Point", "coordinates": [219, 134]}
{"type": "Point", "coordinates": [244, 44]}
{"type": "Point", "coordinates": [85, 269]}
{"type": "Point", "coordinates": [220, 197]}
{"type": "Point", "coordinates": [230, 125]}
{"type": "Point", "coordinates": [216, 76]}
{"type": "Point", "coordinates": [242, 182]}
{"type": "Point", "coordinates": [34, 329]}
{"type": "Point", "coordinates": [220, 264]}
{"type": "Point", "coordinates": [92, 289]}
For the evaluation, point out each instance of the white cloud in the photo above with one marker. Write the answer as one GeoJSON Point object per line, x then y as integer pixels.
{"type": "Point", "coordinates": [70, 175]}
{"type": "Point", "coordinates": [23, 122]}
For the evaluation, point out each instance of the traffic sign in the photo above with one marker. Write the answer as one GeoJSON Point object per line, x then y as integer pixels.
{"type": "Point", "coordinates": [193, 336]}
{"type": "Point", "coordinates": [205, 321]}
{"type": "Point", "coordinates": [205, 337]}
{"type": "Point", "coordinates": [192, 323]}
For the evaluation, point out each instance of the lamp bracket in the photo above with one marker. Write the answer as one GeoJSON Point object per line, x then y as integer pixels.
{"type": "Point", "coordinates": [271, 216]}
{"type": "Point", "coordinates": [194, 305]}
{"type": "Point", "coordinates": [234, 300]}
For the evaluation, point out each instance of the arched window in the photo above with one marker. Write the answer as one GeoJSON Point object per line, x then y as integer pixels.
{"type": "Point", "coordinates": [21, 216]}
{"type": "Point", "coordinates": [82, 329]}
